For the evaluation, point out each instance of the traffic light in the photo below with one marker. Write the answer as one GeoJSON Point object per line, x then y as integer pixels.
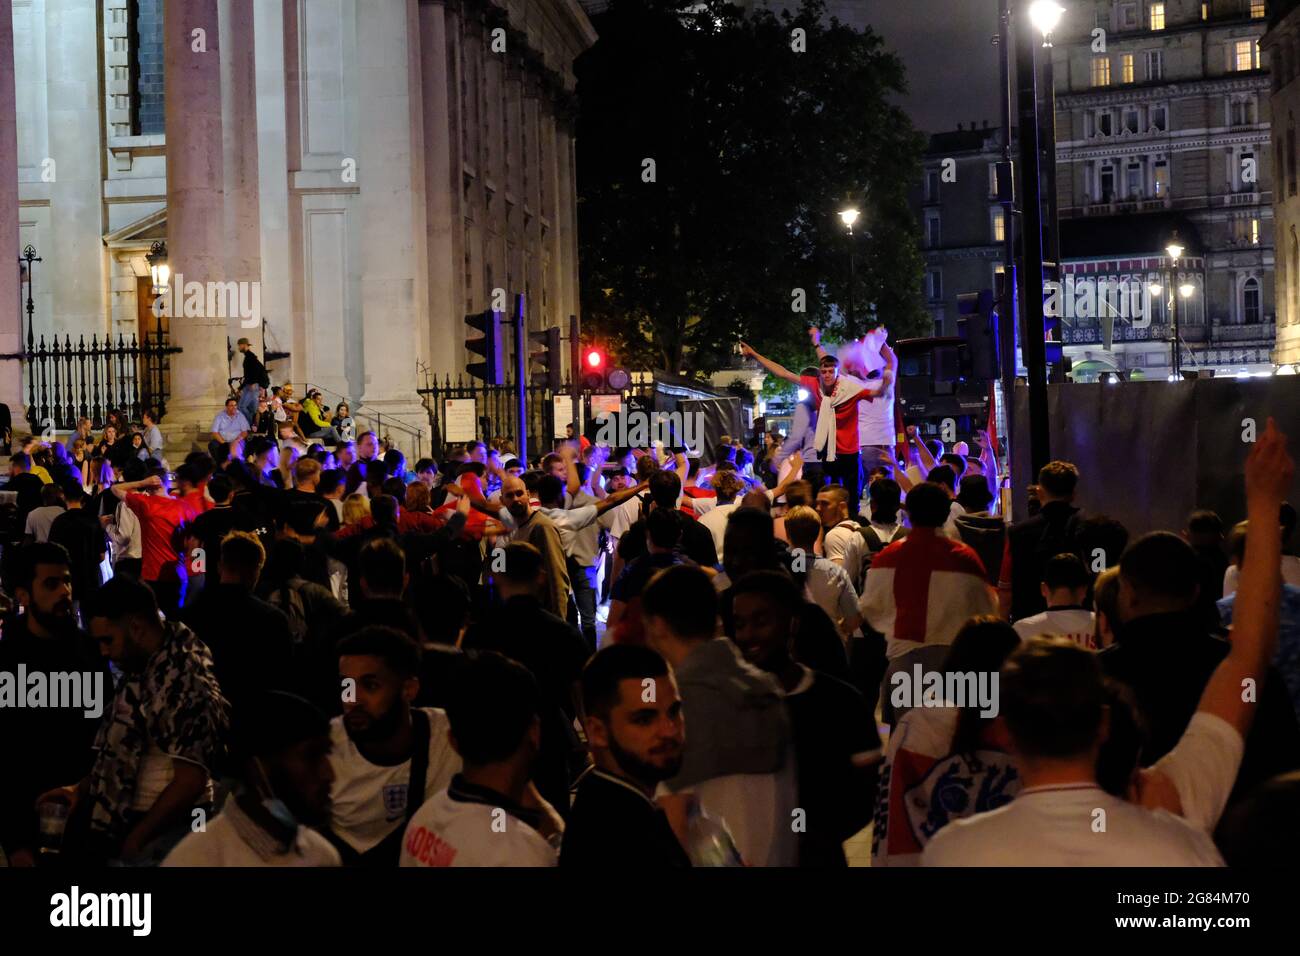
{"type": "Point", "coordinates": [551, 374]}
{"type": "Point", "coordinates": [977, 324]}
{"type": "Point", "coordinates": [593, 368]}
{"type": "Point", "coordinates": [490, 345]}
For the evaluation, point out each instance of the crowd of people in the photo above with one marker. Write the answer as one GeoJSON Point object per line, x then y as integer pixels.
{"type": "Point", "coordinates": [312, 653]}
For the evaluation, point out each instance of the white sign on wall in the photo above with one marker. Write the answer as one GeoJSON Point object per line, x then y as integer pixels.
{"type": "Point", "coordinates": [461, 418]}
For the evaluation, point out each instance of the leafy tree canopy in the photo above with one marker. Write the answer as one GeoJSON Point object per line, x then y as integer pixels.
{"type": "Point", "coordinates": [715, 150]}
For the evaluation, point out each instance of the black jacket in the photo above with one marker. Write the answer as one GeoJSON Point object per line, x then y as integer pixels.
{"type": "Point", "coordinates": [1033, 542]}
{"type": "Point", "coordinates": [250, 640]}
{"type": "Point", "coordinates": [1167, 660]}
{"type": "Point", "coordinates": [255, 371]}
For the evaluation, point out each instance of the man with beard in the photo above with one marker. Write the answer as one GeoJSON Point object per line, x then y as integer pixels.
{"type": "Point", "coordinates": [42, 747]}
{"type": "Point", "coordinates": [162, 733]}
{"type": "Point", "coordinates": [837, 747]}
{"type": "Point", "coordinates": [282, 791]}
{"type": "Point", "coordinates": [388, 757]}
{"type": "Point", "coordinates": [636, 732]}
{"type": "Point", "coordinates": [533, 527]}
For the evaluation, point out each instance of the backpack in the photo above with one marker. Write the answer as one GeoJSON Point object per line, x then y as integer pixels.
{"type": "Point", "coordinates": [874, 544]}
{"type": "Point", "coordinates": [289, 600]}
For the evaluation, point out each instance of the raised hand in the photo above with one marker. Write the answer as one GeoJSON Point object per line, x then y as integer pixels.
{"type": "Point", "coordinates": [1269, 468]}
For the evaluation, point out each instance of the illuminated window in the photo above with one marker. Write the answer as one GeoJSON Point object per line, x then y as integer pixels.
{"type": "Point", "coordinates": [1254, 232]}
{"type": "Point", "coordinates": [1205, 10]}
{"type": "Point", "coordinates": [1101, 71]}
{"type": "Point", "coordinates": [1126, 68]}
{"type": "Point", "coordinates": [1156, 18]}
{"type": "Point", "coordinates": [999, 225]}
{"type": "Point", "coordinates": [1245, 55]}
{"type": "Point", "coordinates": [1257, 10]}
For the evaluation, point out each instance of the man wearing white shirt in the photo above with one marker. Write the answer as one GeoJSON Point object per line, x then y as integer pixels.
{"type": "Point", "coordinates": [842, 544]}
{"type": "Point", "coordinates": [282, 792]}
{"type": "Point", "coordinates": [490, 814]}
{"type": "Point", "coordinates": [579, 527]}
{"type": "Point", "coordinates": [727, 485]}
{"type": "Point", "coordinates": [1065, 585]}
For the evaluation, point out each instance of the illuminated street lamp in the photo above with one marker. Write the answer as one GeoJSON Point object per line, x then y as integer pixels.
{"type": "Point", "coordinates": [159, 270]}
{"type": "Point", "coordinates": [1045, 15]}
{"type": "Point", "coordinates": [849, 216]}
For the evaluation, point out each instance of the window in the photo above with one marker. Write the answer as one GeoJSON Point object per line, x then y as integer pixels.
{"type": "Point", "coordinates": [1159, 118]}
{"type": "Point", "coordinates": [932, 185]}
{"type": "Point", "coordinates": [1205, 10]}
{"type": "Point", "coordinates": [934, 284]}
{"type": "Point", "coordinates": [1104, 127]}
{"type": "Point", "coordinates": [1257, 11]}
{"type": "Point", "coordinates": [1160, 178]}
{"type": "Point", "coordinates": [993, 179]}
{"type": "Point", "coordinates": [1131, 121]}
{"type": "Point", "coordinates": [145, 73]}
{"type": "Point", "coordinates": [999, 224]}
{"type": "Point", "coordinates": [1133, 180]}
{"type": "Point", "coordinates": [1126, 68]}
{"type": "Point", "coordinates": [1293, 275]}
{"type": "Point", "coordinates": [1101, 71]}
{"type": "Point", "coordinates": [1254, 230]}
{"type": "Point", "coordinates": [1155, 64]}
{"type": "Point", "coordinates": [932, 230]}
{"type": "Point", "coordinates": [1156, 16]}
{"type": "Point", "coordinates": [1106, 183]}
{"type": "Point", "coordinates": [1250, 302]}
{"type": "Point", "coordinates": [1245, 55]}
{"type": "Point", "coordinates": [1128, 16]}
{"type": "Point", "coordinates": [1089, 126]}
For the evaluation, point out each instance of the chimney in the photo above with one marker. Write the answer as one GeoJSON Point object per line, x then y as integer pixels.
{"type": "Point", "coordinates": [986, 124]}
{"type": "Point", "coordinates": [960, 127]}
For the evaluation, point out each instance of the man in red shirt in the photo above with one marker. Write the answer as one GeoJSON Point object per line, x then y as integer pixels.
{"type": "Point", "coordinates": [160, 515]}
{"type": "Point", "coordinates": [837, 416]}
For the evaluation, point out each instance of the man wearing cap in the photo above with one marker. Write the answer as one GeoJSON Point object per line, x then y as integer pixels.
{"type": "Point", "coordinates": [254, 380]}
{"type": "Point", "coordinates": [836, 436]}
{"type": "Point", "coordinates": [282, 790]}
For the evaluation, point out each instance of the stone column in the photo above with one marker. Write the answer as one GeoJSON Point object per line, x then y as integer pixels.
{"type": "Point", "coordinates": [444, 221]}
{"type": "Point", "coordinates": [240, 167]}
{"type": "Point", "coordinates": [273, 186]}
{"type": "Point", "coordinates": [11, 370]}
{"type": "Point", "coordinates": [387, 223]}
{"type": "Point", "coordinates": [196, 213]}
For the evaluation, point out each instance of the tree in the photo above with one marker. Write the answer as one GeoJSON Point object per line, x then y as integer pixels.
{"type": "Point", "coordinates": [715, 149]}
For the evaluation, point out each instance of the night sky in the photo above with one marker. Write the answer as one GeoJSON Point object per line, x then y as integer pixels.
{"type": "Point", "coordinates": [952, 68]}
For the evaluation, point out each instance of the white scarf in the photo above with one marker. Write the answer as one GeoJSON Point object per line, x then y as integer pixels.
{"type": "Point", "coordinates": [824, 436]}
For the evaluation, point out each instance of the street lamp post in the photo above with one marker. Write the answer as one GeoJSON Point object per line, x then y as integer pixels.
{"type": "Point", "coordinates": [1043, 15]}
{"type": "Point", "coordinates": [849, 216]}
{"type": "Point", "coordinates": [1175, 249]}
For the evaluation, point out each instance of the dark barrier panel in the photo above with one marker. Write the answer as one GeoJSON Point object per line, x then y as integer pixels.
{"type": "Point", "coordinates": [721, 417]}
{"type": "Point", "coordinates": [1148, 453]}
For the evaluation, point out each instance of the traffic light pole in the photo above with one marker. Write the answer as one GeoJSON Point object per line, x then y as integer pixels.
{"type": "Point", "coordinates": [1031, 234]}
{"type": "Point", "coordinates": [575, 381]}
{"type": "Point", "coordinates": [521, 378]}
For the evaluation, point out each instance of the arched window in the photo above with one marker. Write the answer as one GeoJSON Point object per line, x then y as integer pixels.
{"type": "Point", "coordinates": [1250, 305]}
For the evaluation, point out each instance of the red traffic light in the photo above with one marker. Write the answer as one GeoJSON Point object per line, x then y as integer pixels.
{"type": "Point", "coordinates": [595, 359]}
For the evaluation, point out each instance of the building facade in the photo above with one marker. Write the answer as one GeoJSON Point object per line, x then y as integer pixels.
{"type": "Point", "coordinates": [1163, 129]}
{"type": "Point", "coordinates": [962, 224]}
{"type": "Point", "coordinates": [1282, 47]}
{"type": "Point", "coordinates": [374, 169]}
